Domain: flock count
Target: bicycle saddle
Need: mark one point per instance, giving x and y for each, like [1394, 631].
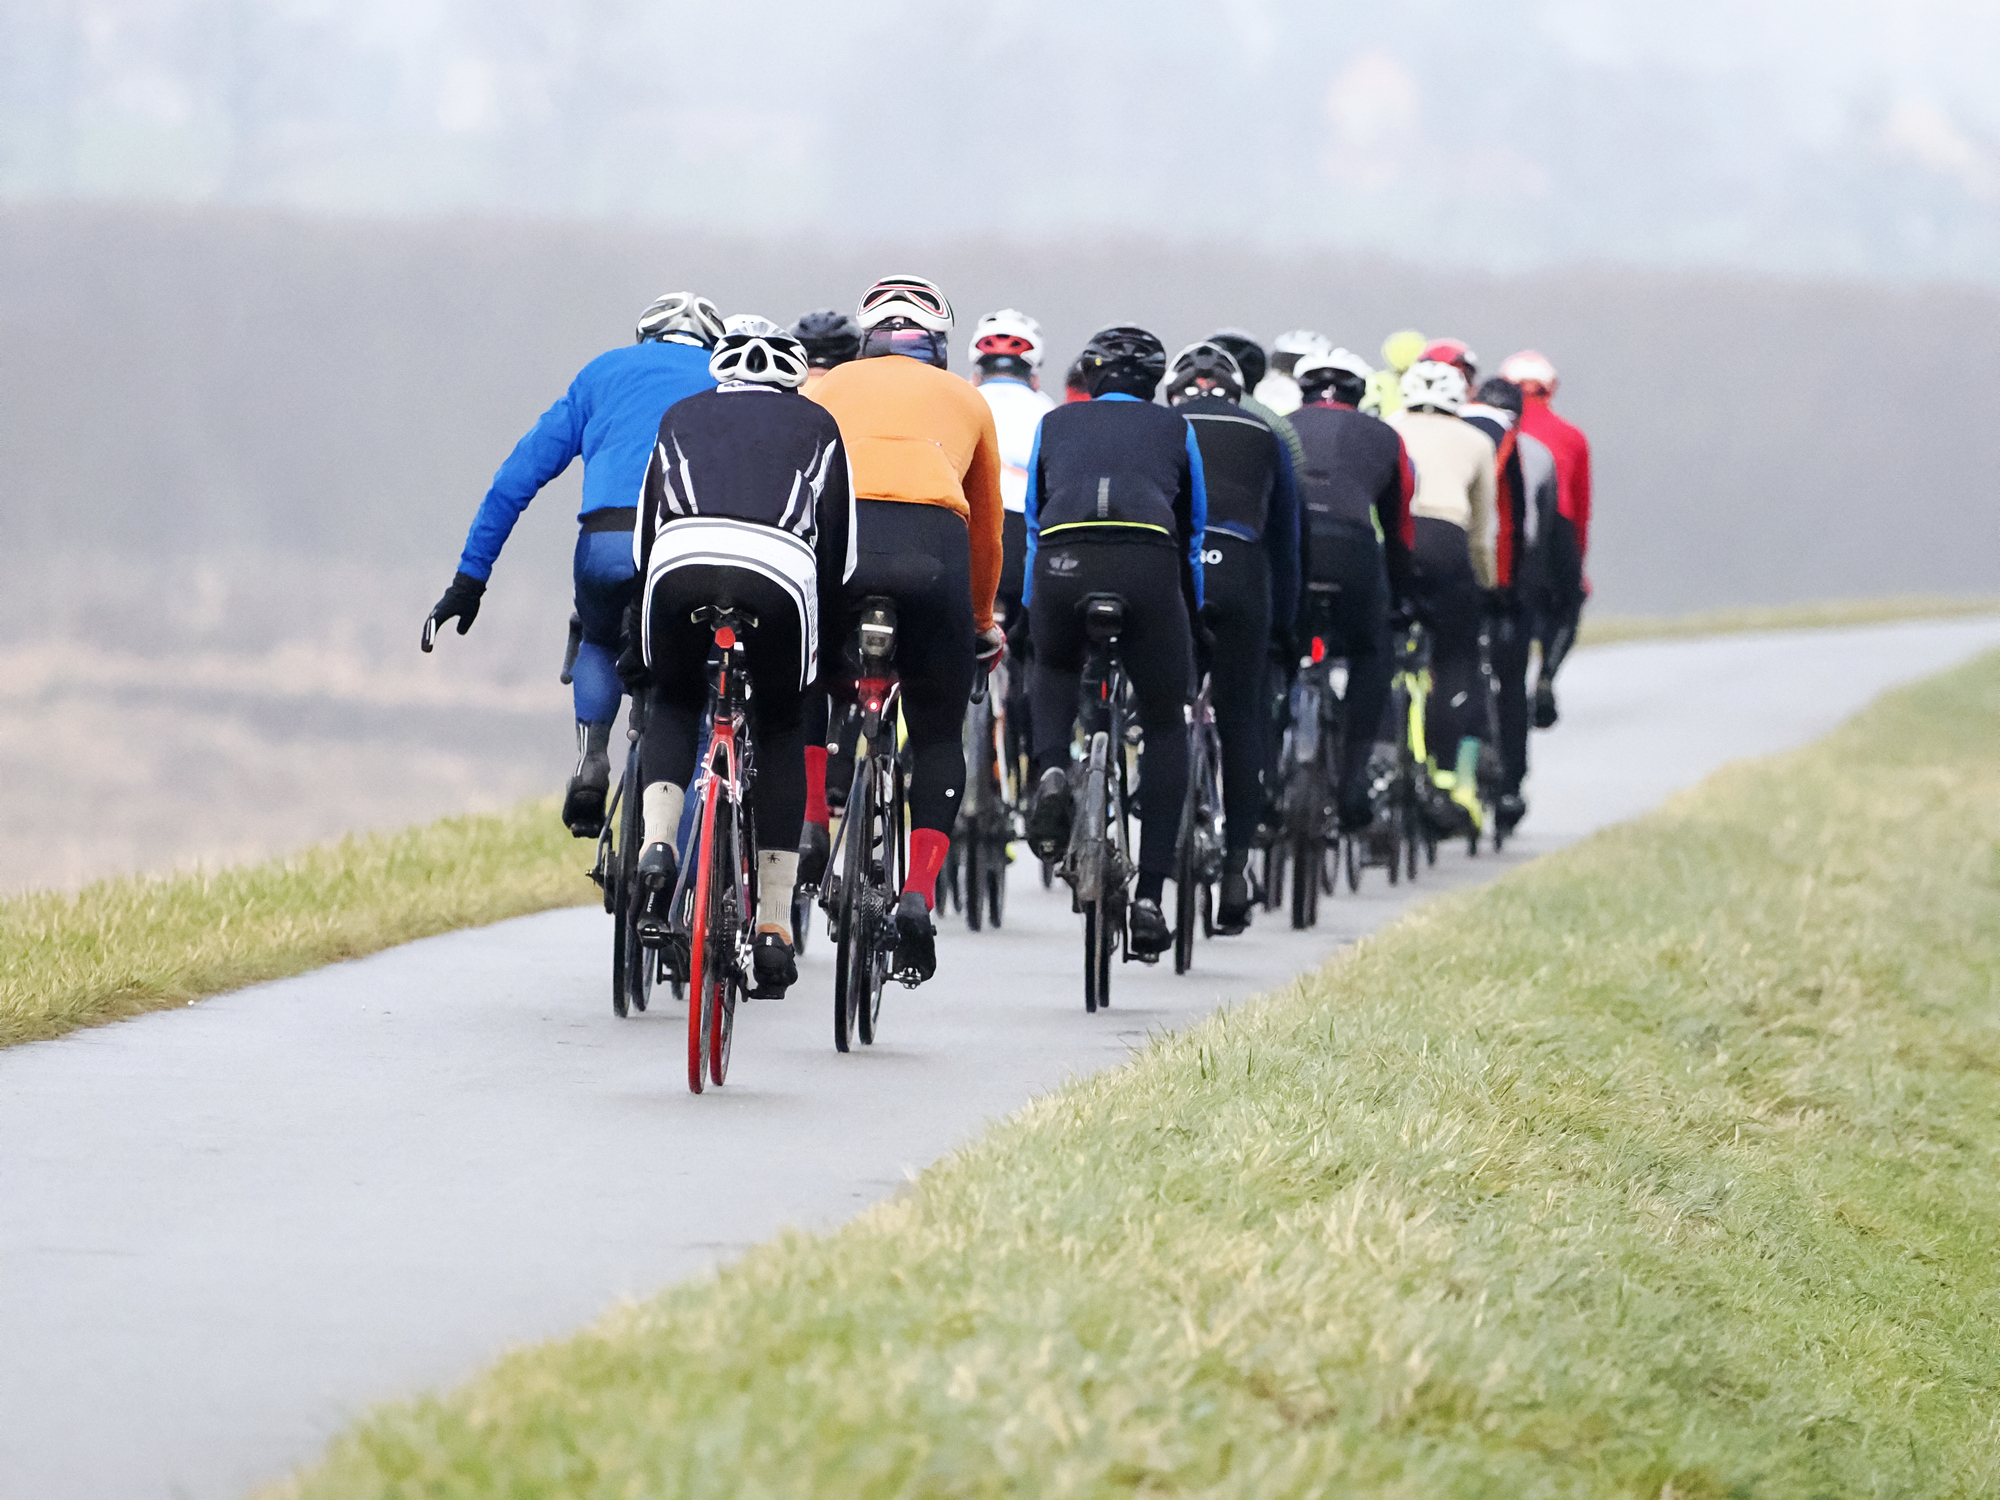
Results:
[1103, 616]
[724, 614]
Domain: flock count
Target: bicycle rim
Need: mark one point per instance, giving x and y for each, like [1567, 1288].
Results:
[895, 869]
[703, 961]
[733, 915]
[853, 944]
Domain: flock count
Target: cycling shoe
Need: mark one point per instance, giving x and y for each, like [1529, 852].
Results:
[1049, 821]
[1545, 705]
[658, 870]
[813, 848]
[1234, 904]
[1509, 810]
[583, 801]
[773, 965]
[916, 938]
[1150, 934]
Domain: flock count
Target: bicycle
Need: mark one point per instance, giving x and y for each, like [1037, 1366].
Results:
[1198, 851]
[1409, 700]
[871, 849]
[976, 866]
[1098, 863]
[1311, 757]
[713, 911]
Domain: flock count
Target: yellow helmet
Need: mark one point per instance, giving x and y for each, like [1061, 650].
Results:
[1401, 350]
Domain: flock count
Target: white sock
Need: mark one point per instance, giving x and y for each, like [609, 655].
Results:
[660, 811]
[777, 873]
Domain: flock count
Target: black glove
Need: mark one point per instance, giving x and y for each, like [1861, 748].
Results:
[1284, 648]
[1204, 649]
[632, 669]
[460, 602]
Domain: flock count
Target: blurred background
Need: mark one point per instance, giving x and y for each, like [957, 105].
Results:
[281, 283]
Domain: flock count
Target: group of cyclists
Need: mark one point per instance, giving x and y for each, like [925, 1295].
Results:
[1252, 513]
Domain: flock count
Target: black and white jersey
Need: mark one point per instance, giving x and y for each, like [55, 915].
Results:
[750, 476]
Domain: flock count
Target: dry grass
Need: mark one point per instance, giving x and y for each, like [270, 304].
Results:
[1669, 1165]
[1602, 630]
[122, 947]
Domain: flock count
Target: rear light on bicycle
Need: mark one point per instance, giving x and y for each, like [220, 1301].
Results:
[1319, 650]
[726, 638]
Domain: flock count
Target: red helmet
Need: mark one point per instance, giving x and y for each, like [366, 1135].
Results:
[1453, 352]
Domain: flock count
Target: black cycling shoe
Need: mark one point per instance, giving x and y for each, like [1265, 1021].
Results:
[1150, 934]
[1357, 810]
[916, 938]
[1509, 810]
[814, 845]
[658, 870]
[1049, 820]
[1234, 904]
[583, 802]
[773, 965]
[1545, 705]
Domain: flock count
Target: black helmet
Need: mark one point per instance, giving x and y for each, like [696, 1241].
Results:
[1124, 360]
[1248, 354]
[1502, 393]
[1204, 369]
[831, 338]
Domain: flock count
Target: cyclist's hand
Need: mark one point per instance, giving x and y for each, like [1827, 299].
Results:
[1204, 649]
[632, 669]
[990, 646]
[460, 602]
[1019, 644]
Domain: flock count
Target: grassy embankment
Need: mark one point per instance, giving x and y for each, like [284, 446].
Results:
[1602, 630]
[1667, 1166]
[122, 947]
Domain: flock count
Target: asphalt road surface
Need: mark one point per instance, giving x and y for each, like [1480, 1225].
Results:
[226, 1230]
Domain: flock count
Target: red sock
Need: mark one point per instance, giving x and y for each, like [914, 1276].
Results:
[816, 808]
[927, 852]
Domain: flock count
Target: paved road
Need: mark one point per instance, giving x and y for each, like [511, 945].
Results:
[224, 1230]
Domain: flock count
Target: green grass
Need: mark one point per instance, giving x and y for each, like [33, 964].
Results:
[122, 947]
[1599, 630]
[1667, 1166]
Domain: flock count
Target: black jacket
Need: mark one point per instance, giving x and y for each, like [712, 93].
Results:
[1357, 479]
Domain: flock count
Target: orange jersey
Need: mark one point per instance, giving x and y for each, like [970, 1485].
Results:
[919, 434]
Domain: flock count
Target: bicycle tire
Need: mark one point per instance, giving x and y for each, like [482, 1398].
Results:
[802, 907]
[894, 873]
[852, 945]
[627, 956]
[702, 959]
[733, 911]
[1351, 851]
[1184, 893]
[975, 890]
[1305, 881]
[996, 885]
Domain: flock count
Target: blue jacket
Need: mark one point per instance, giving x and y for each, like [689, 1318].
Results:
[1158, 461]
[611, 416]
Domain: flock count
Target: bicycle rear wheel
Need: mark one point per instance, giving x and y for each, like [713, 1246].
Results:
[974, 871]
[855, 945]
[1305, 856]
[731, 938]
[622, 896]
[1186, 902]
[705, 962]
[888, 877]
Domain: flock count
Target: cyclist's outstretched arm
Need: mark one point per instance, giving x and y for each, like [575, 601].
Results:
[983, 517]
[547, 449]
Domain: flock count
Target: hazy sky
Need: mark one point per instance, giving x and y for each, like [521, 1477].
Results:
[1851, 136]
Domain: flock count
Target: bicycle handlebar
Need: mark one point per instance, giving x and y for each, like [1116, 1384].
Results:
[430, 631]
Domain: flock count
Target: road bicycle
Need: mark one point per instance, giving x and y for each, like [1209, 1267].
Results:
[1098, 862]
[1409, 701]
[1198, 851]
[976, 865]
[869, 861]
[713, 910]
[1310, 762]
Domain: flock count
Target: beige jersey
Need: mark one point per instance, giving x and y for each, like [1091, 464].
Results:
[1454, 464]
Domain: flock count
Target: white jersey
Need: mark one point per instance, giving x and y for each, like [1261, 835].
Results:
[1017, 412]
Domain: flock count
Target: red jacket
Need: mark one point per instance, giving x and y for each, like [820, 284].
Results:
[1572, 451]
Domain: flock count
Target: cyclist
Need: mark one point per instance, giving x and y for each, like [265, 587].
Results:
[1117, 504]
[1073, 387]
[1278, 390]
[1453, 554]
[611, 416]
[1400, 350]
[1007, 352]
[1250, 588]
[1495, 413]
[1355, 490]
[830, 337]
[745, 505]
[926, 463]
[1562, 584]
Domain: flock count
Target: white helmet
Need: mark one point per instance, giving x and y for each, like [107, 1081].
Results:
[759, 358]
[1433, 383]
[749, 323]
[1008, 332]
[1342, 372]
[1302, 341]
[909, 297]
[683, 317]
[1529, 368]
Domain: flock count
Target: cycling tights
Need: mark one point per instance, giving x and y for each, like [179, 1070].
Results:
[605, 583]
[1007, 611]
[1349, 610]
[679, 695]
[1157, 652]
[1236, 607]
[1511, 639]
[1447, 596]
[1557, 595]
[921, 557]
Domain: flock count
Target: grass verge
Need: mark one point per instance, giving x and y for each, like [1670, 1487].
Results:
[122, 947]
[1666, 1166]
[1602, 631]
